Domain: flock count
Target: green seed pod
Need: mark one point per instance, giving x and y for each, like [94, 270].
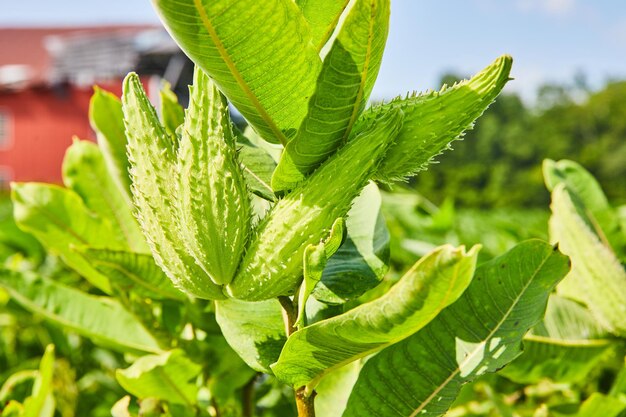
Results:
[273, 262]
[152, 158]
[213, 199]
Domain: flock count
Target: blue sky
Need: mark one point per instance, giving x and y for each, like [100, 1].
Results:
[550, 40]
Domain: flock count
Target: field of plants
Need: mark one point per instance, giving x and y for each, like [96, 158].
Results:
[318, 261]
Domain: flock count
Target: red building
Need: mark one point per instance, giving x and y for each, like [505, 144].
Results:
[46, 79]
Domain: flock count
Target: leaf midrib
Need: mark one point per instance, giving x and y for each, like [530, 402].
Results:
[470, 357]
[206, 22]
[70, 325]
[108, 201]
[132, 276]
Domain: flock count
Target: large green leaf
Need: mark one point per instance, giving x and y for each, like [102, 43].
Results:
[433, 120]
[564, 347]
[260, 55]
[343, 87]
[41, 403]
[153, 157]
[605, 221]
[433, 283]
[60, 220]
[479, 333]
[255, 330]
[213, 203]
[107, 120]
[133, 272]
[599, 405]
[168, 376]
[323, 17]
[85, 172]
[101, 319]
[597, 278]
[361, 262]
[334, 390]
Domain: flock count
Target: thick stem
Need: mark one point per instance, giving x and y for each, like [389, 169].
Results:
[304, 403]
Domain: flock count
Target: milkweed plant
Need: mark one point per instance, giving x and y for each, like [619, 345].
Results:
[245, 271]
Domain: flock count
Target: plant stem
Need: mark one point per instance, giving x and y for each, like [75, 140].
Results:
[247, 398]
[304, 403]
[289, 314]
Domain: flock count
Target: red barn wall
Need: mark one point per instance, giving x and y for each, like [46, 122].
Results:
[42, 122]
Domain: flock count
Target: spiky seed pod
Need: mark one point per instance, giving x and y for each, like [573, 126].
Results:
[152, 158]
[432, 121]
[273, 262]
[213, 199]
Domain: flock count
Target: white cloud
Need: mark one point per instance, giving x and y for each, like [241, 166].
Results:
[550, 7]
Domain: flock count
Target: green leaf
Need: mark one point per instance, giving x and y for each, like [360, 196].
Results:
[599, 405]
[597, 278]
[107, 120]
[41, 403]
[120, 408]
[60, 220]
[323, 17]
[564, 347]
[433, 120]
[343, 87]
[272, 265]
[433, 283]
[361, 262]
[133, 272]
[314, 262]
[13, 409]
[258, 53]
[334, 390]
[254, 330]
[258, 167]
[605, 221]
[85, 172]
[101, 319]
[169, 376]
[212, 199]
[172, 113]
[479, 333]
[153, 173]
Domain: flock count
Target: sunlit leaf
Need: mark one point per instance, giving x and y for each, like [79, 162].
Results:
[254, 330]
[343, 88]
[259, 54]
[565, 346]
[60, 220]
[597, 279]
[480, 333]
[169, 376]
[132, 272]
[107, 120]
[85, 172]
[433, 283]
[101, 319]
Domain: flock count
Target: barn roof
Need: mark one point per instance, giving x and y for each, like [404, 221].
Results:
[80, 55]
